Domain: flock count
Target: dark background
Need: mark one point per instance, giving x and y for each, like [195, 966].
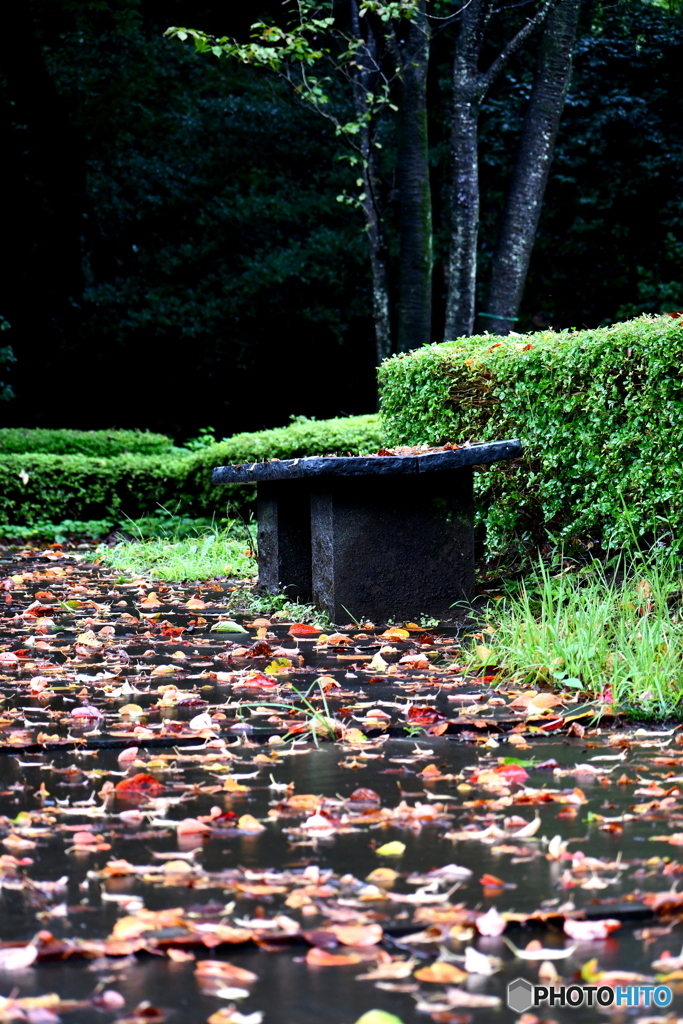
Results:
[175, 252]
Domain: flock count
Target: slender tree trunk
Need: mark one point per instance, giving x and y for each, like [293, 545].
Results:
[464, 197]
[532, 165]
[415, 303]
[365, 83]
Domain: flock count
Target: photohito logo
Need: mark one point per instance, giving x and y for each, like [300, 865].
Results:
[522, 995]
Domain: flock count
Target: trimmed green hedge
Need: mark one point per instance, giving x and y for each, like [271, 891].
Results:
[37, 487]
[96, 443]
[354, 435]
[600, 414]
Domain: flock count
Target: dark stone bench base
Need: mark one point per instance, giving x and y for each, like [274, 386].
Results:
[393, 548]
[284, 538]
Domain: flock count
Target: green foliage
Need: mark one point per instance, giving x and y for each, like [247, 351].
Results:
[96, 443]
[600, 414]
[354, 435]
[205, 438]
[36, 487]
[214, 551]
[68, 529]
[587, 630]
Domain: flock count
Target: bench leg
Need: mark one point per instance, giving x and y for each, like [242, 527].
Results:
[284, 538]
[393, 548]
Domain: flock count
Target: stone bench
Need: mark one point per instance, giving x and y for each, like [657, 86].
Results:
[378, 537]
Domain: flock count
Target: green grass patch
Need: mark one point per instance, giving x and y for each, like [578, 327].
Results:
[177, 548]
[595, 631]
[168, 550]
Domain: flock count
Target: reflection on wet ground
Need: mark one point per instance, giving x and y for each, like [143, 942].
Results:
[177, 828]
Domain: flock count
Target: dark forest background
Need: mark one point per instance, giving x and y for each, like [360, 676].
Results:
[175, 251]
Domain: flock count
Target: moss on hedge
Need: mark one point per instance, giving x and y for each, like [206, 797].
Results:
[600, 414]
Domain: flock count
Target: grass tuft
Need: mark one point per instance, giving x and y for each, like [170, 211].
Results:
[615, 632]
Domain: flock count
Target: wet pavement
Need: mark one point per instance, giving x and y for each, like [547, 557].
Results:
[410, 836]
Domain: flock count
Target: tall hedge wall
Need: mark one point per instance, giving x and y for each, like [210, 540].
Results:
[36, 486]
[600, 414]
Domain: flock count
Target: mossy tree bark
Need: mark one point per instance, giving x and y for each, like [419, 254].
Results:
[470, 86]
[416, 256]
[365, 83]
[532, 166]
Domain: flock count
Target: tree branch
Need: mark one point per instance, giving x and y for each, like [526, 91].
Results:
[487, 78]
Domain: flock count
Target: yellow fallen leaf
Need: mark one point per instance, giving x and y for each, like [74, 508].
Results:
[131, 709]
[393, 849]
[248, 823]
[382, 876]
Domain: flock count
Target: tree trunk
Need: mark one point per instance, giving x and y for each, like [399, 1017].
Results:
[415, 303]
[532, 165]
[365, 83]
[467, 95]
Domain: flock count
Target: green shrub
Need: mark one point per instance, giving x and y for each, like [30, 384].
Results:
[600, 414]
[37, 487]
[353, 435]
[96, 443]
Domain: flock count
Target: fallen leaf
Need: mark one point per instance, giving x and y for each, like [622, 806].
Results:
[357, 934]
[587, 931]
[393, 849]
[321, 958]
[441, 973]
[247, 823]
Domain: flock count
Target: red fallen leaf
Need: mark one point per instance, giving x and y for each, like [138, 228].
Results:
[168, 629]
[553, 726]
[525, 348]
[424, 716]
[23, 652]
[261, 649]
[84, 838]
[489, 881]
[607, 697]
[303, 629]
[258, 679]
[438, 730]
[676, 315]
[512, 772]
[365, 796]
[140, 783]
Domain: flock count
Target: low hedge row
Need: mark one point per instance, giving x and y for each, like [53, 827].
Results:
[352, 435]
[45, 487]
[96, 443]
[600, 414]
